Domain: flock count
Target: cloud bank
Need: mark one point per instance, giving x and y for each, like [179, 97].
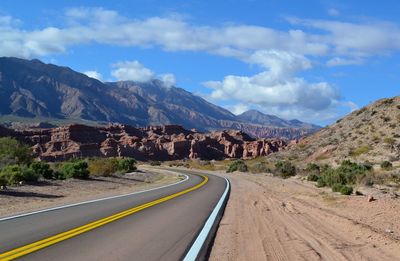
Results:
[281, 54]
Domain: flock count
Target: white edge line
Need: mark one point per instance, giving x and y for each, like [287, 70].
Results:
[201, 238]
[94, 200]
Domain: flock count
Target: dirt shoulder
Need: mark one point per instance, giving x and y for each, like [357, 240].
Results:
[268, 218]
[16, 200]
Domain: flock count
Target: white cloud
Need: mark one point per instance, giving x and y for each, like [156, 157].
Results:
[238, 108]
[356, 39]
[168, 79]
[131, 71]
[277, 87]
[98, 25]
[94, 74]
[338, 61]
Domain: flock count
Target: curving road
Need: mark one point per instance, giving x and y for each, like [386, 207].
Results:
[161, 224]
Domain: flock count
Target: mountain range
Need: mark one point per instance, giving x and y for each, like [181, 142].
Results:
[31, 90]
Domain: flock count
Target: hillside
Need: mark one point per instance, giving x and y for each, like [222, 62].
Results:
[371, 134]
[32, 91]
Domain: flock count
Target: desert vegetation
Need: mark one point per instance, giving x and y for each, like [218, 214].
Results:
[340, 179]
[237, 165]
[18, 166]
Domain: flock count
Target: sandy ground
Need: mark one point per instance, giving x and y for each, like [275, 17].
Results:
[268, 218]
[27, 198]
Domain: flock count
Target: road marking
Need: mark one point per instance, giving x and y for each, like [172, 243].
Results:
[91, 201]
[196, 247]
[24, 250]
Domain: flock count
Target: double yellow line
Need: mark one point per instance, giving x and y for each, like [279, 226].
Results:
[22, 251]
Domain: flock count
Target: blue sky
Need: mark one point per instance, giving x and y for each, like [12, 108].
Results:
[311, 60]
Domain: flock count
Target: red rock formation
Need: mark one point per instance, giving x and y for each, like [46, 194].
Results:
[150, 143]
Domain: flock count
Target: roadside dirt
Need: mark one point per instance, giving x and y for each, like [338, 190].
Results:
[16, 200]
[268, 218]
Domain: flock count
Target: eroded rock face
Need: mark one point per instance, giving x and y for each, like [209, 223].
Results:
[169, 142]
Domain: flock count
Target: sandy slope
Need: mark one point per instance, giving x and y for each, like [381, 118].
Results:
[268, 218]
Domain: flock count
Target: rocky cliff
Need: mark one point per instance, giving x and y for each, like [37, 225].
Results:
[168, 142]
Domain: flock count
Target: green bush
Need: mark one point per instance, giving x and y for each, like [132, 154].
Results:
[312, 167]
[237, 165]
[58, 175]
[346, 174]
[14, 152]
[285, 169]
[320, 183]
[337, 187]
[346, 190]
[386, 165]
[3, 180]
[127, 165]
[77, 169]
[43, 169]
[16, 173]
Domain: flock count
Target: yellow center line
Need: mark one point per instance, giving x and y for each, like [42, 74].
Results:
[24, 250]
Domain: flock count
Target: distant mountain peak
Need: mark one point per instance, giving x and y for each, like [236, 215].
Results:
[257, 117]
[35, 90]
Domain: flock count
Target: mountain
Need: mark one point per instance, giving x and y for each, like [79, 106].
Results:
[256, 117]
[32, 91]
[371, 134]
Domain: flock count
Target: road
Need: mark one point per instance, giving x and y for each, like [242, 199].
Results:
[160, 231]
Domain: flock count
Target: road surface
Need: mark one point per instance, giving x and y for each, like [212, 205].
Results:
[123, 228]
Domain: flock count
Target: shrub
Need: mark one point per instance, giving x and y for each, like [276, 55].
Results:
[78, 169]
[386, 165]
[260, 167]
[3, 180]
[359, 151]
[389, 140]
[16, 173]
[347, 173]
[155, 163]
[312, 177]
[43, 169]
[103, 167]
[58, 175]
[14, 152]
[237, 165]
[343, 189]
[320, 183]
[285, 169]
[346, 190]
[312, 167]
[337, 187]
[127, 165]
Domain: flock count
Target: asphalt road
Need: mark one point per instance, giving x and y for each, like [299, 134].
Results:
[161, 232]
